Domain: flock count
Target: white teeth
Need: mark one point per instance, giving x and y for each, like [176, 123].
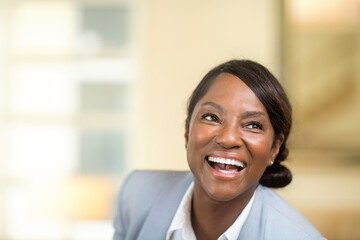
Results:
[226, 161]
[227, 171]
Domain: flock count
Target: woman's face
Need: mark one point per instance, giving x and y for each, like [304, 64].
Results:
[230, 140]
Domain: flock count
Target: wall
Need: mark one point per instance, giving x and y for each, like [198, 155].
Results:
[181, 42]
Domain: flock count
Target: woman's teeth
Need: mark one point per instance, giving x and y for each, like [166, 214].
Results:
[226, 161]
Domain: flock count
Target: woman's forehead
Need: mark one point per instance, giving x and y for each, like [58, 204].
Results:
[228, 90]
[229, 86]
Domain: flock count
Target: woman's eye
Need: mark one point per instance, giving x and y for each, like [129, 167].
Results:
[254, 125]
[210, 117]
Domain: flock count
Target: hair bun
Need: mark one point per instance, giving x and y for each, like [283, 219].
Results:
[276, 176]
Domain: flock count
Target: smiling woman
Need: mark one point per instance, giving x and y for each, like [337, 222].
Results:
[237, 125]
[241, 131]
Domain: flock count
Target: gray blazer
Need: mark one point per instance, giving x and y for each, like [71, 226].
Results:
[148, 201]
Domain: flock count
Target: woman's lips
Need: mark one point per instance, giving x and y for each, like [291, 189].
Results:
[225, 167]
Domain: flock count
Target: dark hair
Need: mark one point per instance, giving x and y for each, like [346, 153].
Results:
[271, 94]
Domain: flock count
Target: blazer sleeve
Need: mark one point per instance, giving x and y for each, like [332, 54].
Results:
[120, 222]
[140, 194]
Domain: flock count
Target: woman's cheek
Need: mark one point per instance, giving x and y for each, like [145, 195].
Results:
[201, 134]
[260, 147]
[257, 140]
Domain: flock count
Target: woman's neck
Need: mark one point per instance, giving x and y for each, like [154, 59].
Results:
[211, 218]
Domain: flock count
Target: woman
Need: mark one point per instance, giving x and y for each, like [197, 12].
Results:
[237, 125]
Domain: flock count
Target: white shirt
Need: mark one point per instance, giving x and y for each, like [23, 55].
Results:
[181, 229]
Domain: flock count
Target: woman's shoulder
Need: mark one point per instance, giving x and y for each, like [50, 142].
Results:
[140, 192]
[275, 203]
[287, 219]
[157, 174]
[154, 178]
[140, 185]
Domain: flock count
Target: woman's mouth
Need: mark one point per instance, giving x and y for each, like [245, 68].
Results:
[227, 166]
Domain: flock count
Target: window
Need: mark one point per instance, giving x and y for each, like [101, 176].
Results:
[65, 116]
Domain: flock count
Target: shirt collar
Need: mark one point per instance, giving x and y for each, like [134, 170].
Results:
[181, 223]
[232, 233]
[182, 219]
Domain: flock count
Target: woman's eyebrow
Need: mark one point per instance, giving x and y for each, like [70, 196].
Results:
[215, 105]
[252, 113]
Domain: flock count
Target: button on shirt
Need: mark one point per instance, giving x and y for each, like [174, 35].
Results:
[181, 229]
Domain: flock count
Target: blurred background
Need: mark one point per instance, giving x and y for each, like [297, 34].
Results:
[92, 89]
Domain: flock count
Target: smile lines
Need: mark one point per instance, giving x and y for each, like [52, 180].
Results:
[226, 161]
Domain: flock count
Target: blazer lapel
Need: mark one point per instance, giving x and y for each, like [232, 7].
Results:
[164, 209]
[254, 225]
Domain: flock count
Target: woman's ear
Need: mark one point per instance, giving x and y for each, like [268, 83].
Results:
[276, 146]
[186, 135]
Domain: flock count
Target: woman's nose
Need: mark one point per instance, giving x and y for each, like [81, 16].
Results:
[229, 137]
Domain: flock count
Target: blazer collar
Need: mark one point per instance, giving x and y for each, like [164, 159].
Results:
[254, 225]
[162, 212]
[164, 208]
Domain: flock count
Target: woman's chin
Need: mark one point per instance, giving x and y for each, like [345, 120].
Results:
[223, 194]
[227, 192]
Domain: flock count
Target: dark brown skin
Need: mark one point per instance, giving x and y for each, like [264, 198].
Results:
[215, 213]
[229, 122]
